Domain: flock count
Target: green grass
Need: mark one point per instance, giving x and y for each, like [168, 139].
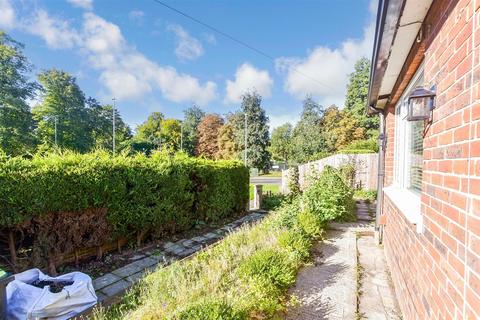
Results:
[274, 188]
[366, 195]
[245, 276]
[272, 174]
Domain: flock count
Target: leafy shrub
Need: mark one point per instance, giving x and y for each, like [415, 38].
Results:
[210, 310]
[310, 224]
[319, 155]
[367, 195]
[297, 243]
[267, 267]
[272, 202]
[367, 145]
[329, 197]
[348, 174]
[138, 193]
[294, 181]
[356, 151]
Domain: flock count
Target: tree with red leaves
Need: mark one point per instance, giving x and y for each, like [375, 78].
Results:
[208, 132]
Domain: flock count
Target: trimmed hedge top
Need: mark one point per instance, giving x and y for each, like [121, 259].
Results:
[156, 192]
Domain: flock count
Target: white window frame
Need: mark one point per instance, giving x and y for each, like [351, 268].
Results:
[405, 199]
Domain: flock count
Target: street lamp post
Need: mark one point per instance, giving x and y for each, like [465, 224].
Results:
[113, 127]
[245, 156]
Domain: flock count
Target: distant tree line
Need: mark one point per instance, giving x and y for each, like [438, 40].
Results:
[64, 118]
[323, 131]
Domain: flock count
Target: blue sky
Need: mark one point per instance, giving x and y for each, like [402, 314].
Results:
[152, 59]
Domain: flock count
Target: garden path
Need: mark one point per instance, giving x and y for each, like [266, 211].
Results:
[348, 278]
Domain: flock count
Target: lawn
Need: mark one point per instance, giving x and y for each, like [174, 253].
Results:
[274, 188]
[272, 174]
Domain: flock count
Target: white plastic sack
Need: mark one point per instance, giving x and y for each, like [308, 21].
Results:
[25, 301]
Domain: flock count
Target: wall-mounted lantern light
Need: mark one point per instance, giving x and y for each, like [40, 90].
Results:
[421, 103]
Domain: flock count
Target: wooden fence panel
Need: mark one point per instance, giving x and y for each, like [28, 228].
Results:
[366, 168]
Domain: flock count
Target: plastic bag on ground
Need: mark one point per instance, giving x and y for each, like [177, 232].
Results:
[25, 301]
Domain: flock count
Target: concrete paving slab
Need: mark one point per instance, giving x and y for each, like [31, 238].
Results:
[199, 239]
[127, 270]
[134, 278]
[116, 288]
[168, 245]
[377, 300]
[327, 289]
[175, 249]
[105, 280]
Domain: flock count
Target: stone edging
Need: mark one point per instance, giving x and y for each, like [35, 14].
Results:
[117, 281]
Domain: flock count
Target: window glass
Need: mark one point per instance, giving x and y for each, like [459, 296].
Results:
[408, 142]
[415, 155]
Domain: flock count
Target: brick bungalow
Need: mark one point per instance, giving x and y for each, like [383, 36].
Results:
[425, 87]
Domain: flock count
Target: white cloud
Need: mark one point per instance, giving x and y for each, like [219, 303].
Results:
[56, 33]
[210, 38]
[329, 67]
[7, 14]
[187, 47]
[84, 4]
[136, 16]
[124, 72]
[248, 78]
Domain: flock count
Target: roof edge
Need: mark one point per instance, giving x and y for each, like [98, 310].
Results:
[388, 17]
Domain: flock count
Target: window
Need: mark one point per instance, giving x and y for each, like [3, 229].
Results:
[408, 142]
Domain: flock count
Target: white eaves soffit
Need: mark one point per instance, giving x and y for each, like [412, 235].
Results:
[411, 20]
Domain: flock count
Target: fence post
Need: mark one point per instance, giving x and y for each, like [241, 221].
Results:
[257, 196]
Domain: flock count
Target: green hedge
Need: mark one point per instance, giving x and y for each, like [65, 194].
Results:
[157, 192]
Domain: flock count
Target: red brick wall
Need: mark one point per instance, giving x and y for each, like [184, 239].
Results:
[437, 272]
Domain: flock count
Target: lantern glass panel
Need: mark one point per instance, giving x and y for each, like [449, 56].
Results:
[419, 108]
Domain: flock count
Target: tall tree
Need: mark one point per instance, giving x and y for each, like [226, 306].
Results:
[308, 138]
[192, 117]
[16, 122]
[227, 149]
[281, 143]
[341, 128]
[171, 134]
[208, 133]
[151, 129]
[356, 99]
[101, 126]
[64, 103]
[258, 138]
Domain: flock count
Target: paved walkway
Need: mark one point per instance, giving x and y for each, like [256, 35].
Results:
[346, 263]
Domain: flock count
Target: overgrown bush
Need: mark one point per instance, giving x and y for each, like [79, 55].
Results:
[367, 195]
[119, 195]
[365, 145]
[210, 310]
[272, 202]
[348, 174]
[294, 181]
[329, 197]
